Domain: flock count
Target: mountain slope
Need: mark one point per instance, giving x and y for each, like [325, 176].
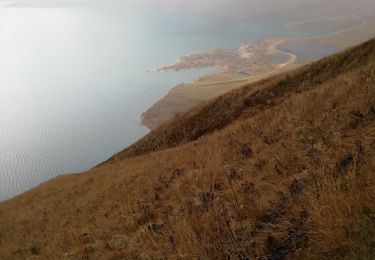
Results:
[222, 111]
[283, 168]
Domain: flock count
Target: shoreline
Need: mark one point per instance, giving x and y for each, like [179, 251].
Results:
[158, 112]
[293, 57]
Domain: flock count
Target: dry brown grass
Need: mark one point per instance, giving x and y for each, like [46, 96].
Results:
[244, 102]
[281, 169]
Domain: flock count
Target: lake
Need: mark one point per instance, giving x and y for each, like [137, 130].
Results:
[74, 80]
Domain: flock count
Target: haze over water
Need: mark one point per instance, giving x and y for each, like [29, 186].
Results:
[74, 81]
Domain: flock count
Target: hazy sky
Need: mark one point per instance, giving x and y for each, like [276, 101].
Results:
[295, 8]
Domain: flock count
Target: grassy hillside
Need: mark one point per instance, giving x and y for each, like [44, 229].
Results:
[283, 168]
[250, 99]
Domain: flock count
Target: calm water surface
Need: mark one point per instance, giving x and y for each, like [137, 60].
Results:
[73, 81]
[308, 50]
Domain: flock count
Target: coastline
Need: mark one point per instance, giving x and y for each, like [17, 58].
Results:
[185, 96]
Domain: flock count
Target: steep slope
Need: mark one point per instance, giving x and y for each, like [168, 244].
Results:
[280, 169]
[256, 97]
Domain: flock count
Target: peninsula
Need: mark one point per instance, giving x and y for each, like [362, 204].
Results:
[253, 61]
